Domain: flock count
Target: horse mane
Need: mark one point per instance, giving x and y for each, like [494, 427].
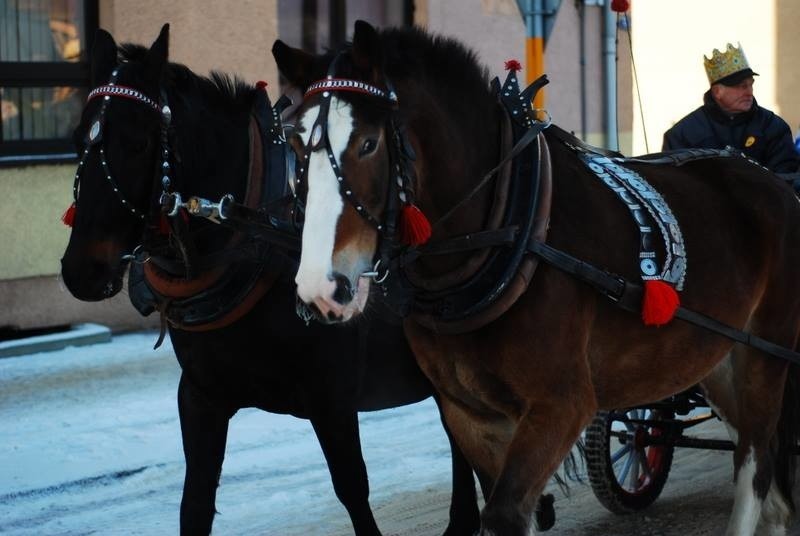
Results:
[219, 89]
[445, 62]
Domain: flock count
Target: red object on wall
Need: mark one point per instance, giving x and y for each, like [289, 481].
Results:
[620, 6]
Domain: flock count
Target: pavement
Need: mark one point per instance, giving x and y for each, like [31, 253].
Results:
[77, 335]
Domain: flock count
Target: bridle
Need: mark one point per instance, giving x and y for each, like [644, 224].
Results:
[94, 137]
[400, 155]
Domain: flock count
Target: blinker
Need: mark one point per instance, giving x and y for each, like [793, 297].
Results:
[316, 135]
[95, 132]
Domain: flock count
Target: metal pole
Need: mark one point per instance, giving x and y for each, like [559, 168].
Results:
[610, 70]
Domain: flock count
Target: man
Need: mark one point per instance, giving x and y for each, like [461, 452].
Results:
[730, 116]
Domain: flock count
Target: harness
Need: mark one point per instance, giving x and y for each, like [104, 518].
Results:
[401, 154]
[199, 293]
[512, 248]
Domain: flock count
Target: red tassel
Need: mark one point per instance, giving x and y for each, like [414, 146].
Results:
[513, 65]
[261, 84]
[69, 215]
[659, 303]
[415, 229]
[620, 6]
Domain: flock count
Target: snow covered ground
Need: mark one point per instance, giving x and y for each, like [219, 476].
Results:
[90, 444]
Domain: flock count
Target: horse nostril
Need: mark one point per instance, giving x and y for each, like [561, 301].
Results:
[344, 291]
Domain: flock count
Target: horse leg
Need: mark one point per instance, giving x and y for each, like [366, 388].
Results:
[537, 448]
[750, 403]
[337, 433]
[464, 514]
[205, 430]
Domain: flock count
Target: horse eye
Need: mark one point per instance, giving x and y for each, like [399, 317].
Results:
[369, 146]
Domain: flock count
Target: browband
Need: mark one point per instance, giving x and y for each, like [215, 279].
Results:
[345, 84]
[113, 90]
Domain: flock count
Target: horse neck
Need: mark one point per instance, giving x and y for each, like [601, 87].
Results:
[212, 148]
[458, 144]
[211, 158]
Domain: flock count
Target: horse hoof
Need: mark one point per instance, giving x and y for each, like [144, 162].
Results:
[545, 513]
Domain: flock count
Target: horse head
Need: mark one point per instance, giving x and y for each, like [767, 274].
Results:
[114, 188]
[150, 131]
[371, 129]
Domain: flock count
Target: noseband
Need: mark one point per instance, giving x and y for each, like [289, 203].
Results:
[95, 136]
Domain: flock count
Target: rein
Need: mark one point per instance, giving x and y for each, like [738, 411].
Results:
[200, 292]
[535, 128]
[628, 296]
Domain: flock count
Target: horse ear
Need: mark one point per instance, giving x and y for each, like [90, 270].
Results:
[104, 57]
[295, 64]
[158, 53]
[367, 54]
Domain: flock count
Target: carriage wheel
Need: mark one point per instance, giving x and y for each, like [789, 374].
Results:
[626, 472]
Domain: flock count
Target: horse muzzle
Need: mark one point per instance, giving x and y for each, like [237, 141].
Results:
[93, 272]
[333, 301]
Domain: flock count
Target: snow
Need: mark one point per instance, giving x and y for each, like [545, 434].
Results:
[91, 444]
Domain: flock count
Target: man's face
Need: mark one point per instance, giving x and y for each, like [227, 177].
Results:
[734, 99]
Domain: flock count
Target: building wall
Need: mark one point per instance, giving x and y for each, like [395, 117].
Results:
[234, 37]
[204, 35]
[496, 31]
[671, 38]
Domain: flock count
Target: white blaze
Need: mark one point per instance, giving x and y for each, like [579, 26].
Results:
[323, 207]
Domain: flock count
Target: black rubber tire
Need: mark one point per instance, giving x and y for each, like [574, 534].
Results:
[640, 490]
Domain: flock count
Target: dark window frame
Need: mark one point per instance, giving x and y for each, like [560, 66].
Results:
[48, 74]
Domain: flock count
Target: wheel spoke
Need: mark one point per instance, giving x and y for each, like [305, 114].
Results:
[628, 424]
[633, 479]
[623, 475]
[626, 448]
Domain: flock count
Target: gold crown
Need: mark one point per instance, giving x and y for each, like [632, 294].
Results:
[726, 63]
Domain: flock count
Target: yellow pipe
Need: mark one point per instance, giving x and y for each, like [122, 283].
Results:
[534, 62]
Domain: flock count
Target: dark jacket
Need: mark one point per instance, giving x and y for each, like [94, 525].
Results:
[758, 133]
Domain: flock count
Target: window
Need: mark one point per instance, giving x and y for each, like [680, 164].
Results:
[44, 76]
[319, 25]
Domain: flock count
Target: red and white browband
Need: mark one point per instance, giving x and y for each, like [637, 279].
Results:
[112, 90]
[344, 84]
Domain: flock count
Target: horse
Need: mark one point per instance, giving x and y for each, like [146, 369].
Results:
[152, 129]
[504, 283]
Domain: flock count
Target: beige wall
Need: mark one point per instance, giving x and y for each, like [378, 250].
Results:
[234, 37]
[492, 28]
[496, 31]
[669, 40]
[671, 37]
[33, 237]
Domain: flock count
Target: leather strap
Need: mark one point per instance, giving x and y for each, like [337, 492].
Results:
[628, 296]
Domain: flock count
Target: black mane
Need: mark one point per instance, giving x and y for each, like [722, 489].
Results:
[414, 52]
[220, 89]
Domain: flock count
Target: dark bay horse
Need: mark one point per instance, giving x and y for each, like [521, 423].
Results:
[401, 129]
[227, 295]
